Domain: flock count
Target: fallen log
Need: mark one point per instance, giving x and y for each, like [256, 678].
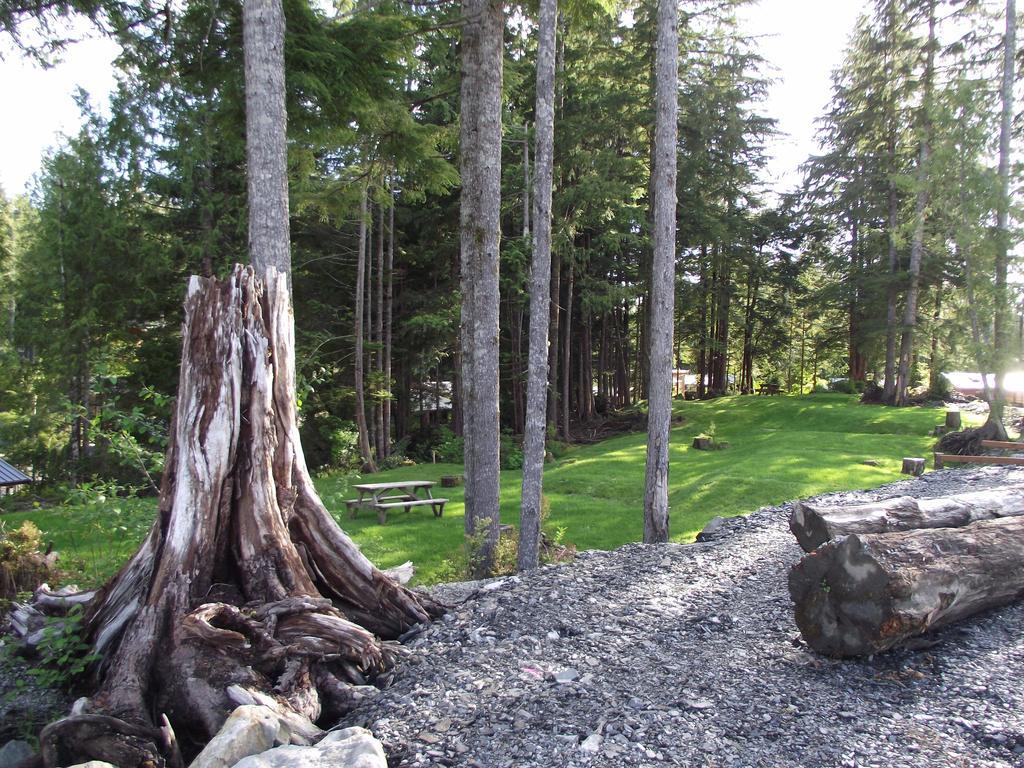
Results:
[867, 593]
[814, 524]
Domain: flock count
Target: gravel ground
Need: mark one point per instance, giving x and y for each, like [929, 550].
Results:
[689, 656]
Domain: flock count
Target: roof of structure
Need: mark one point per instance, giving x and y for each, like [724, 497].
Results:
[11, 476]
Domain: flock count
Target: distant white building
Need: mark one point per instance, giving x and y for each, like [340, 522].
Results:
[970, 384]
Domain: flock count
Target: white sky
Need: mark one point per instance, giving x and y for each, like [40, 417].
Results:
[803, 40]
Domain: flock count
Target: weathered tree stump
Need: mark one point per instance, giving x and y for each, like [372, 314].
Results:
[814, 524]
[953, 421]
[245, 581]
[913, 467]
[867, 593]
[703, 443]
[451, 481]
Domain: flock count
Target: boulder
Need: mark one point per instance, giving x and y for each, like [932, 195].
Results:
[347, 748]
[14, 753]
[249, 730]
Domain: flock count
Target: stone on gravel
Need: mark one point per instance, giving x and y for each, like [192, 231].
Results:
[94, 764]
[692, 658]
[249, 730]
[15, 752]
[567, 675]
[346, 748]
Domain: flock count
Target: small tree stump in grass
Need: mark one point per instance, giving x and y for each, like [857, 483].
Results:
[940, 430]
[913, 467]
[451, 481]
[953, 420]
[702, 443]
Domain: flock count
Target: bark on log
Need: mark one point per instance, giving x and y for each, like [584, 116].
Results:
[245, 579]
[867, 593]
[815, 524]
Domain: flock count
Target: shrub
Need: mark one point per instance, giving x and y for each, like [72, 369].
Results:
[450, 448]
[23, 566]
[511, 452]
[843, 386]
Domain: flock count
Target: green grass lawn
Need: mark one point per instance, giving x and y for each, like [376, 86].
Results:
[781, 448]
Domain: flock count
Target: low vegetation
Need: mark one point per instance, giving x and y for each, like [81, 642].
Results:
[780, 448]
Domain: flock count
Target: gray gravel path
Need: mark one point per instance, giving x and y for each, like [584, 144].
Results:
[688, 656]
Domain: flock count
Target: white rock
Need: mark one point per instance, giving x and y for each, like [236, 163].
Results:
[566, 675]
[592, 743]
[347, 748]
[248, 731]
[81, 706]
[303, 732]
[94, 764]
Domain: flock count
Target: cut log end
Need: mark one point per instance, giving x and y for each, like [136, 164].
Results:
[913, 466]
[868, 593]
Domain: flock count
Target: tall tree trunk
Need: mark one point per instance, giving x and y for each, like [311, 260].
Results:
[662, 308]
[553, 332]
[702, 350]
[389, 295]
[920, 219]
[567, 351]
[378, 332]
[479, 225]
[856, 362]
[934, 369]
[526, 182]
[265, 135]
[540, 294]
[1001, 335]
[360, 385]
[892, 293]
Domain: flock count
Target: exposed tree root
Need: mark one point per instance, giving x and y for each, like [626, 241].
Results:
[245, 585]
[967, 442]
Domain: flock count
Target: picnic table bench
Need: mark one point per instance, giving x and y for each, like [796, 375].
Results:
[400, 494]
[770, 389]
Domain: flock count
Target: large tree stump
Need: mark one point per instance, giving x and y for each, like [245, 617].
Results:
[953, 421]
[866, 593]
[245, 580]
[814, 524]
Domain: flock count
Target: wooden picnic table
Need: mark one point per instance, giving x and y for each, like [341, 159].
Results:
[770, 389]
[399, 494]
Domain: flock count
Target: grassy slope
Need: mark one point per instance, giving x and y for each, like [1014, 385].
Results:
[781, 448]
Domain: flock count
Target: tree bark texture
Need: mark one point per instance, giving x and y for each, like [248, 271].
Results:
[381, 437]
[570, 284]
[1002, 308]
[360, 384]
[245, 581]
[867, 593]
[540, 294]
[815, 524]
[920, 218]
[663, 282]
[479, 227]
[265, 134]
[389, 307]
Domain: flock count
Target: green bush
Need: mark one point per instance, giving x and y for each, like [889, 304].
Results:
[843, 386]
[511, 452]
[23, 565]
